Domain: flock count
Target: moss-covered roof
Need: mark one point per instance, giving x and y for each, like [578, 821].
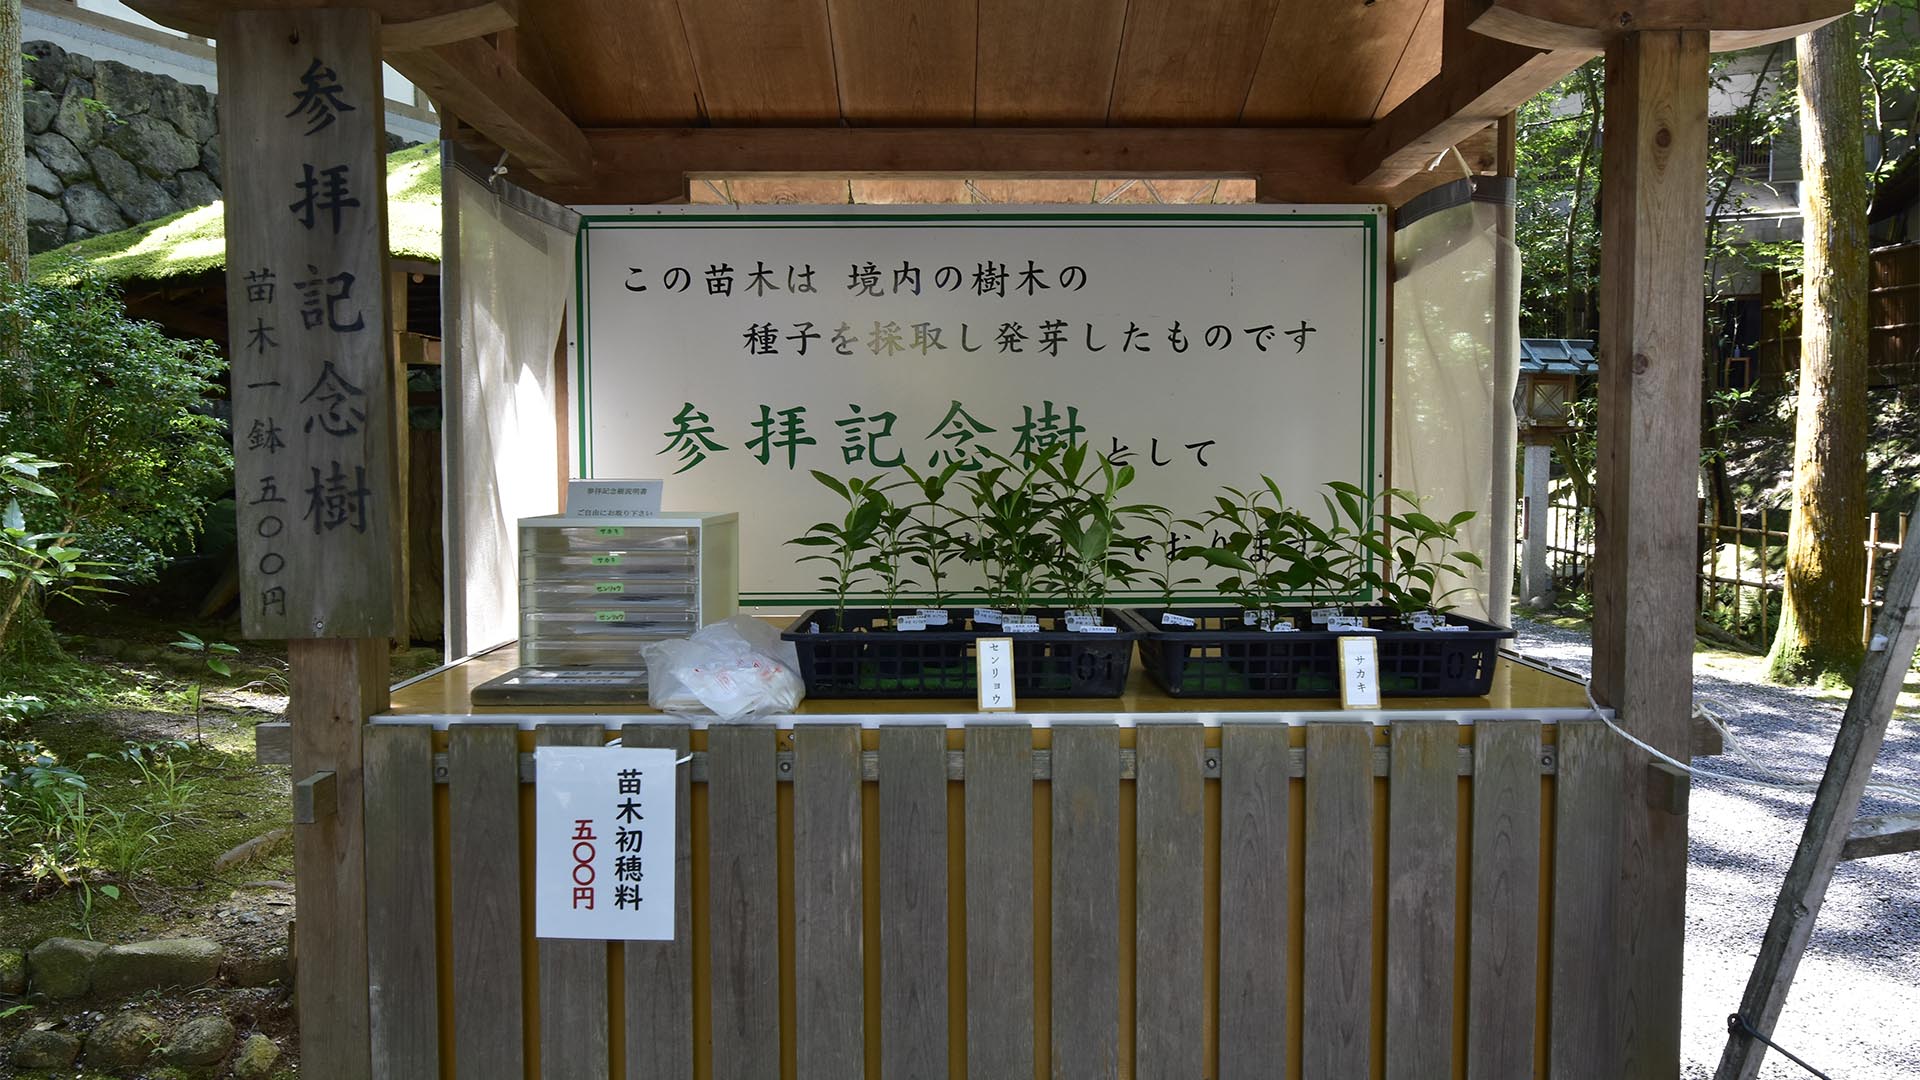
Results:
[194, 241]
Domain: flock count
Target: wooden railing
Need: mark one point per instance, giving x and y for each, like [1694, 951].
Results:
[1741, 564]
[1003, 901]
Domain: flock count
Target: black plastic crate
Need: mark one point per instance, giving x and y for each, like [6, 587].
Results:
[870, 659]
[1221, 657]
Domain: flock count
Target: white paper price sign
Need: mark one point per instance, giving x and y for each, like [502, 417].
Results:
[604, 847]
[995, 677]
[1359, 673]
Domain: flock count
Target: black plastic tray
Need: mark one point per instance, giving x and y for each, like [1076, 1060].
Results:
[870, 659]
[1221, 657]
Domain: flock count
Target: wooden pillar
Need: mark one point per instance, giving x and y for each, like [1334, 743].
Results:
[1649, 442]
[1536, 489]
[314, 441]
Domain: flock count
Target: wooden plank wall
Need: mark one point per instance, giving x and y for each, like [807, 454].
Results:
[1167, 902]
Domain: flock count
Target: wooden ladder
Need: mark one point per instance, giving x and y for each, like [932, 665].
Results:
[1832, 833]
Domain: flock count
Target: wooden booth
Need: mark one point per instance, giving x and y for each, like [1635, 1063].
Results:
[1487, 887]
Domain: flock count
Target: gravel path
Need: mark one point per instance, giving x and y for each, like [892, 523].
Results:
[1855, 1008]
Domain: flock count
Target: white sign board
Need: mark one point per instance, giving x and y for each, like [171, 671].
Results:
[613, 498]
[604, 847]
[734, 351]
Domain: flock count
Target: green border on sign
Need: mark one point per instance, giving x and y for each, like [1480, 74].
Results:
[1369, 224]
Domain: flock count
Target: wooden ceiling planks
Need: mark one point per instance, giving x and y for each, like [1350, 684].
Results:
[1329, 61]
[1419, 63]
[904, 62]
[1047, 63]
[761, 61]
[634, 69]
[1188, 61]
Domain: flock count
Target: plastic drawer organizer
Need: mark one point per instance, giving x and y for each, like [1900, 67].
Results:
[592, 592]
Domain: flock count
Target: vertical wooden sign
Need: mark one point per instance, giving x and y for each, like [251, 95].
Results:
[303, 136]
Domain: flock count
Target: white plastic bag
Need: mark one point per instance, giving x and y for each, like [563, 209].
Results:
[732, 669]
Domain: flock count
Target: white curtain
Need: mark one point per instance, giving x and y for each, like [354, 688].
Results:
[1456, 355]
[504, 295]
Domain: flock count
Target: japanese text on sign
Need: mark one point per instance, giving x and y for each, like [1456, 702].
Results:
[737, 352]
[604, 854]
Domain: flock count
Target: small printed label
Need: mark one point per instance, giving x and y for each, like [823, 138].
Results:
[1075, 620]
[1325, 614]
[1421, 620]
[1283, 626]
[910, 622]
[1443, 628]
[1347, 624]
[605, 587]
[1250, 617]
[609, 616]
[813, 628]
[933, 615]
[1021, 620]
[1021, 628]
[1168, 618]
[987, 616]
[606, 560]
[1093, 628]
[610, 530]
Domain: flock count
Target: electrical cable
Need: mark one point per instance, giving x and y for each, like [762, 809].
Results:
[1773, 779]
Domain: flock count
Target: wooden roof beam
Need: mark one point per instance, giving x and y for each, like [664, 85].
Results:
[1582, 24]
[474, 82]
[1293, 164]
[405, 24]
[1480, 81]
[1498, 53]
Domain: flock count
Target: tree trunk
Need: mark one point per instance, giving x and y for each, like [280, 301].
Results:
[13, 147]
[1819, 632]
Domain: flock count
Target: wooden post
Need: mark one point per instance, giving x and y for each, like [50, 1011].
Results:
[1535, 585]
[1649, 443]
[314, 443]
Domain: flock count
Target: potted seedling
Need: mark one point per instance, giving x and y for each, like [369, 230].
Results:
[846, 546]
[1087, 521]
[1414, 552]
[934, 537]
[1012, 502]
[1161, 573]
[1273, 552]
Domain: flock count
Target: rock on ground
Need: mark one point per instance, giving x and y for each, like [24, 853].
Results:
[45, 1050]
[150, 965]
[124, 1041]
[250, 968]
[256, 1059]
[13, 972]
[63, 967]
[203, 1040]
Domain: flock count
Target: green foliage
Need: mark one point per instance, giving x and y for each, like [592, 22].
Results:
[1088, 526]
[36, 567]
[124, 408]
[848, 545]
[1276, 551]
[1556, 217]
[931, 544]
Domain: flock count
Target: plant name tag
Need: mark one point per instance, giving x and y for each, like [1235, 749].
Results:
[986, 616]
[1021, 620]
[994, 676]
[1348, 624]
[1282, 626]
[1168, 618]
[1325, 614]
[613, 498]
[1021, 628]
[910, 622]
[1093, 628]
[933, 615]
[1421, 620]
[1359, 673]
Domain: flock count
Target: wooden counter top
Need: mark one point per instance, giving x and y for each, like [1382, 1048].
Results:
[1521, 688]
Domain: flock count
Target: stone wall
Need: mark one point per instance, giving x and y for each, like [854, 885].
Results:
[110, 146]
